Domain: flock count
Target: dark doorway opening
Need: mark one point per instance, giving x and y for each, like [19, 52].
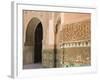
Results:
[38, 44]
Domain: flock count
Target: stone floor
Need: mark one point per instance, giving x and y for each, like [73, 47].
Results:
[32, 66]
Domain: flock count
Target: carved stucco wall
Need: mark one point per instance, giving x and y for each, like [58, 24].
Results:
[76, 31]
[74, 28]
[75, 44]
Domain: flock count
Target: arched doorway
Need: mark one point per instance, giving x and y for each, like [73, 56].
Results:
[32, 50]
[38, 44]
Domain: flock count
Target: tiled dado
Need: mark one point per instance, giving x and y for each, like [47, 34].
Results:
[84, 43]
